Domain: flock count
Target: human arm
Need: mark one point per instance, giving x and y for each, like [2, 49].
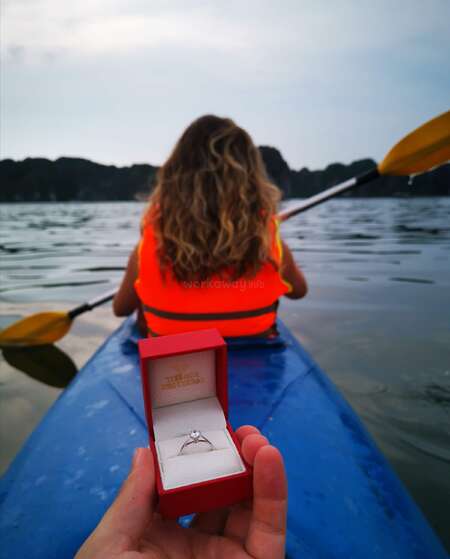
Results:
[126, 299]
[293, 275]
[252, 530]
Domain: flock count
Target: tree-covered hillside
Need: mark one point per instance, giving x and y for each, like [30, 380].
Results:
[68, 178]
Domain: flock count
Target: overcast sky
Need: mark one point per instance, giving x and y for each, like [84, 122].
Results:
[321, 80]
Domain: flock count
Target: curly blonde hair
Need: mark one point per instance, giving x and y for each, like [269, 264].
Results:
[212, 204]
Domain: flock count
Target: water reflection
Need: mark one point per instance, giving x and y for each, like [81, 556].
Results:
[47, 364]
[414, 427]
[78, 243]
[422, 230]
[437, 394]
[340, 227]
[49, 285]
[413, 280]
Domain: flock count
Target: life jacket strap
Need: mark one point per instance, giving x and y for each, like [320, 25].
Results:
[271, 332]
[232, 315]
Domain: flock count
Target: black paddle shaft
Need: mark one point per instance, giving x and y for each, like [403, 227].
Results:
[92, 304]
[331, 193]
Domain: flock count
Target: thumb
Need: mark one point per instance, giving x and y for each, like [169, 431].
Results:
[131, 513]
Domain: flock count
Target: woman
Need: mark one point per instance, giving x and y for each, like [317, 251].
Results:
[210, 253]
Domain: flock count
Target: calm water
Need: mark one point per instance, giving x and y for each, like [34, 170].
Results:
[377, 317]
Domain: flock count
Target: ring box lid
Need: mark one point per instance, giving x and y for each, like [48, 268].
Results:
[175, 381]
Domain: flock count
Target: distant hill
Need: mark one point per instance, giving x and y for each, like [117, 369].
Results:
[66, 179]
[42, 180]
[304, 183]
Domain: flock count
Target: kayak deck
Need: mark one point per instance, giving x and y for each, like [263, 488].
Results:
[344, 499]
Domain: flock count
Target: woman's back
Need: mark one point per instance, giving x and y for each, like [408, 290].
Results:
[236, 306]
[210, 254]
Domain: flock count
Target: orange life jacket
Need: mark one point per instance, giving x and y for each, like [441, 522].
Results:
[244, 307]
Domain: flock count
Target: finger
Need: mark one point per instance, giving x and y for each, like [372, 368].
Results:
[250, 446]
[267, 531]
[131, 513]
[238, 522]
[245, 430]
[239, 519]
[212, 522]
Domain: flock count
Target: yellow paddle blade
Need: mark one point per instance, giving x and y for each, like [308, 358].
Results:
[426, 147]
[38, 329]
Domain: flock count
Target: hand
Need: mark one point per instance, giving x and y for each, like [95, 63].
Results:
[131, 529]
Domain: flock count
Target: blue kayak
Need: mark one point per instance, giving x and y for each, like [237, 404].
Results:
[344, 499]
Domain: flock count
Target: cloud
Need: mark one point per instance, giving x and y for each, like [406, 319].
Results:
[122, 34]
[16, 52]
[118, 81]
[89, 31]
[102, 26]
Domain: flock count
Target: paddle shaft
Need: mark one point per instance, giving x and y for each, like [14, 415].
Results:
[330, 193]
[92, 304]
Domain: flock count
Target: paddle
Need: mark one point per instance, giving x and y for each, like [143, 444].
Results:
[47, 327]
[45, 363]
[426, 147]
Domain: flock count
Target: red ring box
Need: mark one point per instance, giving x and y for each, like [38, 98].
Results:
[185, 387]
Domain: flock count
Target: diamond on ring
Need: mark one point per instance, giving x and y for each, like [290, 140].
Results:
[195, 437]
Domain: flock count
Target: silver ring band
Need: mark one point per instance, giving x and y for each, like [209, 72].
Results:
[195, 437]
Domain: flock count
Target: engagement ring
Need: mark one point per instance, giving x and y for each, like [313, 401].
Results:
[195, 437]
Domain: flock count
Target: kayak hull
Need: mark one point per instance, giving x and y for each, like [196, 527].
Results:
[344, 499]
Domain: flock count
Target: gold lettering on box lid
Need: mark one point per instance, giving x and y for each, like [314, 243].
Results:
[181, 377]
